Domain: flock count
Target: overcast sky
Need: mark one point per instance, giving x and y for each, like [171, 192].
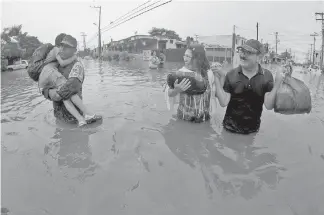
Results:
[294, 21]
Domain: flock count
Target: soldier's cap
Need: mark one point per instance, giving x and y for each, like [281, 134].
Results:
[70, 41]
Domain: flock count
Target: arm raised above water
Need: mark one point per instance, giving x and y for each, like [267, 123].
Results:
[223, 90]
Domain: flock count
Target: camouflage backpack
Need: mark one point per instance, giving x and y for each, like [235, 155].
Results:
[36, 63]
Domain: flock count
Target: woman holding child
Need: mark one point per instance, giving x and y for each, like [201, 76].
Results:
[194, 108]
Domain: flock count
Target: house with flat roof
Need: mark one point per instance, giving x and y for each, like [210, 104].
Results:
[138, 43]
[219, 47]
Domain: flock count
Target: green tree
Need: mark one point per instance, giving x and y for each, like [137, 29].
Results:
[285, 55]
[164, 32]
[26, 43]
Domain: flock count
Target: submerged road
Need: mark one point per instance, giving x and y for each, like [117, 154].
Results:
[141, 161]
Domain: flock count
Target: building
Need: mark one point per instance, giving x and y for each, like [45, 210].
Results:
[166, 43]
[217, 53]
[219, 47]
[318, 58]
[138, 43]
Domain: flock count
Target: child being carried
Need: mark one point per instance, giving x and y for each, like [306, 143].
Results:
[50, 76]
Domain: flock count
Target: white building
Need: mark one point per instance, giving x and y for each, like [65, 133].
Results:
[219, 47]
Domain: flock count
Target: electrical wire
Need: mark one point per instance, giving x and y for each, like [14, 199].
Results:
[137, 15]
[95, 36]
[117, 20]
[92, 38]
[109, 26]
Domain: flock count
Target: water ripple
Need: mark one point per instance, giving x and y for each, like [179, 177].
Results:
[140, 154]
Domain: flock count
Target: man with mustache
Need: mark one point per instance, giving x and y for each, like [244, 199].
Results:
[245, 90]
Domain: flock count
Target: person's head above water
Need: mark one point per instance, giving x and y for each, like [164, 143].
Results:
[69, 46]
[195, 58]
[59, 39]
[251, 53]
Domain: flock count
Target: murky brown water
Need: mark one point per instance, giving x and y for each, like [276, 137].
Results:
[141, 161]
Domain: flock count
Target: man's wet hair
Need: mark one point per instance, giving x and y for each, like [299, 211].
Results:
[59, 39]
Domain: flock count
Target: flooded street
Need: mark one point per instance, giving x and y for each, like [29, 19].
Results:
[141, 160]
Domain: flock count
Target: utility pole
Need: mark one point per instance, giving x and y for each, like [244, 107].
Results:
[84, 40]
[286, 54]
[322, 56]
[233, 45]
[257, 30]
[314, 35]
[99, 31]
[311, 51]
[277, 41]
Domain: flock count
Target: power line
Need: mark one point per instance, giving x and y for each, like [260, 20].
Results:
[96, 35]
[92, 38]
[114, 23]
[125, 14]
[137, 15]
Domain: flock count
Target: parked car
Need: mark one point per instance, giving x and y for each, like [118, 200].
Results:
[23, 64]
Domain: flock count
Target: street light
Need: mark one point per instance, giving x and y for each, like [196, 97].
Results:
[99, 29]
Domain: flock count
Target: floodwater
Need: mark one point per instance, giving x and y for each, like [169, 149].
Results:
[140, 160]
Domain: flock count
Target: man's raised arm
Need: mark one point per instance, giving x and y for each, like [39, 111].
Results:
[222, 90]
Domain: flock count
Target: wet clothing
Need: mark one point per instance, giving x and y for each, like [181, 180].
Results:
[154, 62]
[74, 73]
[50, 76]
[51, 56]
[243, 113]
[194, 108]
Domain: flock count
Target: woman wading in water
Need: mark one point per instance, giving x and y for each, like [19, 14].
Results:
[193, 108]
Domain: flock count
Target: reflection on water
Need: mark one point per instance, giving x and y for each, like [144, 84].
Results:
[72, 151]
[140, 160]
[230, 163]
